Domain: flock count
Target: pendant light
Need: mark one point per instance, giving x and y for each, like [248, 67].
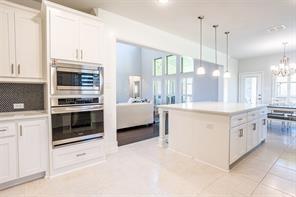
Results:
[216, 72]
[200, 70]
[227, 73]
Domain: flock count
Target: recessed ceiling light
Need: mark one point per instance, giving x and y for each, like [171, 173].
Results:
[276, 28]
[163, 1]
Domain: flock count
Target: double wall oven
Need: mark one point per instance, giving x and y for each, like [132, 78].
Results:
[77, 110]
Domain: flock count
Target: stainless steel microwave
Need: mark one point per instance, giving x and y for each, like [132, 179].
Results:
[76, 79]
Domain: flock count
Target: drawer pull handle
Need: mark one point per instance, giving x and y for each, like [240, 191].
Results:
[264, 122]
[3, 130]
[241, 132]
[254, 126]
[240, 119]
[80, 155]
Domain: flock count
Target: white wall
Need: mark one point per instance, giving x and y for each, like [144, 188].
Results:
[262, 64]
[132, 31]
[128, 64]
[124, 29]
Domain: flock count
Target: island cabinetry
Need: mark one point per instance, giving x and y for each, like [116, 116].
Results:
[216, 134]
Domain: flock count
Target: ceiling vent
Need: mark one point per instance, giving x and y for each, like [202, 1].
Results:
[276, 28]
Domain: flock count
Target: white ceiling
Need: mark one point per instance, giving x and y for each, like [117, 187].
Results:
[247, 20]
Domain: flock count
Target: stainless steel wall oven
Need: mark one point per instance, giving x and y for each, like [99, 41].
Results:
[76, 120]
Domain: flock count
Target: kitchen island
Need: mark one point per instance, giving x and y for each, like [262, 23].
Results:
[214, 133]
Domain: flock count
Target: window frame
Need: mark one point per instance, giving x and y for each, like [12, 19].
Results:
[167, 66]
[154, 65]
[181, 65]
[181, 89]
[287, 98]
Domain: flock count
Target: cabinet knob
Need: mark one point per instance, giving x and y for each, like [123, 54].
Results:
[81, 54]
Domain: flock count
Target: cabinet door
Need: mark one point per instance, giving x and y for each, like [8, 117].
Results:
[238, 143]
[263, 128]
[8, 155]
[91, 41]
[252, 135]
[64, 36]
[31, 147]
[7, 49]
[28, 44]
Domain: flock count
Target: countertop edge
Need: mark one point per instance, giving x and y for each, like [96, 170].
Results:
[24, 116]
[211, 112]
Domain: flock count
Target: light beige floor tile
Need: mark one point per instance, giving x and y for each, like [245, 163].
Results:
[280, 184]
[230, 185]
[283, 172]
[265, 191]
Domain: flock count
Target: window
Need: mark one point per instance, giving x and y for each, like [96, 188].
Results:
[186, 90]
[171, 64]
[157, 67]
[157, 92]
[187, 64]
[285, 89]
[170, 91]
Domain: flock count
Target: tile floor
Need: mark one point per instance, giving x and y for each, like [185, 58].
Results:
[144, 170]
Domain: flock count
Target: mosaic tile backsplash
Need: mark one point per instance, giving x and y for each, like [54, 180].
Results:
[32, 95]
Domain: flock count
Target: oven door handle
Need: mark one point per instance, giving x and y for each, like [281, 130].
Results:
[62, 110]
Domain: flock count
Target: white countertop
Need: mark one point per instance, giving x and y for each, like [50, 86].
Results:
[5, 116]
[213, 107]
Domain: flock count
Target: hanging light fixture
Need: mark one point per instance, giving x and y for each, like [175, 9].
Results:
[227, 73]
[285, 68]
[200, 70]
[216, 72]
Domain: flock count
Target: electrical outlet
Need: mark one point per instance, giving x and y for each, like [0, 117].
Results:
[18, 106]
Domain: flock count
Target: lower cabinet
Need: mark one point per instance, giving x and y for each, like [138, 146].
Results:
[8, 155]
[31, 147]
[238, 142]
[22, 148]
[248, 135]
[263, 128]
[252, 135]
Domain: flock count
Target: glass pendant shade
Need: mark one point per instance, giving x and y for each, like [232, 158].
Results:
[227, 75]
[216, 73]
[201, 70]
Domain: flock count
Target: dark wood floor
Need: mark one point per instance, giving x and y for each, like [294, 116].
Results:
[136, 134]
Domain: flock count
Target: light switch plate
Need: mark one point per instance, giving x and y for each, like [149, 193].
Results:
[18, 106]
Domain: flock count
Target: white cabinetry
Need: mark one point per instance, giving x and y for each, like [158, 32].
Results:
[23, 146]
[31, 147]
[75, 38]
[238, 142]
[252, 130]
[8, 152]
[20, 49]
[28, 45]
[7, 59]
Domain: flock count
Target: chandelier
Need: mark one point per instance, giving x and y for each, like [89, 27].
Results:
[285, 68]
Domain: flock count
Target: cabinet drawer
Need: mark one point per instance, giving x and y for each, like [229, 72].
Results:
[67, 156]
[7, 129]
[252, 115]
[238, 120]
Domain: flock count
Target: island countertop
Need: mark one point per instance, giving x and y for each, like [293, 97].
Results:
[213, 107]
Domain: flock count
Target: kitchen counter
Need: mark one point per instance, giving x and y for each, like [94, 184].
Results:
[213, 107]
[214, 133]
[6, 116]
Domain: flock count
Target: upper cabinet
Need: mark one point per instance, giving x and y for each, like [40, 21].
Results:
[20, 38]
[7, 54]
[75, 38]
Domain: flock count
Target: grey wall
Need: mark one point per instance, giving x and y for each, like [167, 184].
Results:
[262, 64]
[205, 88]
[32, 95]
[128, 64]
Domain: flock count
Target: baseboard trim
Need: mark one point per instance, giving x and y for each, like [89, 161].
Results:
[22, 180]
